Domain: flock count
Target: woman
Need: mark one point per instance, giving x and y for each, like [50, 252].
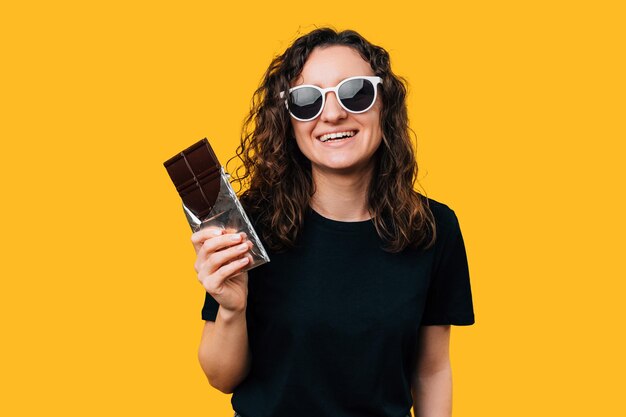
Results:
[351, 318]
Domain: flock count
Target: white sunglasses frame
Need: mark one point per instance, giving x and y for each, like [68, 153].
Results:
[373, 79]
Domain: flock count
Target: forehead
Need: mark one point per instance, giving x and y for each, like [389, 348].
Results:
[326, 66]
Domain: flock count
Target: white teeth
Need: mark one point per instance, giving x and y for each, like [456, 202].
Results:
[336, 135]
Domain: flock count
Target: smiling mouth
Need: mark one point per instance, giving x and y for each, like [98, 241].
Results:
[330, 137]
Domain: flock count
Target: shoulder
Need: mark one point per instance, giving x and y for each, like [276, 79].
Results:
[446, 221]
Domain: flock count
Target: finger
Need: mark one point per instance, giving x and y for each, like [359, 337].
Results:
[219, 243]
[214, 281]
[198, 238]
[231, 269]
[250, 258]
[219, 258]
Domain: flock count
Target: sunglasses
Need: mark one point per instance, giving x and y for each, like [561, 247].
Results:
[355, 94]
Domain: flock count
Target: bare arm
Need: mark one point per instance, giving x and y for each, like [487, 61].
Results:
[432, 380]
[224, 353]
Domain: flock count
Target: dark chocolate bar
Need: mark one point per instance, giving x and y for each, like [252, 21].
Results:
[208, 197]
[196, 174]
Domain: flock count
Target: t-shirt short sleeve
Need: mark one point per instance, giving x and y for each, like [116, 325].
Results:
[449, 298]
[210, 307]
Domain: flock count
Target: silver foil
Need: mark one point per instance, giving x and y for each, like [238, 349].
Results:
[228, 214]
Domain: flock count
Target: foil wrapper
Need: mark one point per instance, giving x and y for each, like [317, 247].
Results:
[208, 197]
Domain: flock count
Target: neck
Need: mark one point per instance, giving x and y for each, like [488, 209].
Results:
[342, 197]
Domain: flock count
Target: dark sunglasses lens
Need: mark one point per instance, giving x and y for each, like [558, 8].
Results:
[357, 95]
[305, 103]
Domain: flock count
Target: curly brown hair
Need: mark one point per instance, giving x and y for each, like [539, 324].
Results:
[277, 179]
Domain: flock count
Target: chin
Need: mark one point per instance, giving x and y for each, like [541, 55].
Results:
[344, 167]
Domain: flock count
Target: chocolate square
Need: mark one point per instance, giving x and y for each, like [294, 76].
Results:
[196, 174]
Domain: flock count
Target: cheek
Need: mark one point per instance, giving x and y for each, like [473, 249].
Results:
[373, 123]
[302, 134]
[374, 114]
[300, 129]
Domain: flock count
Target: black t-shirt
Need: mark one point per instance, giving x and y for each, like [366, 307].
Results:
[333, 324]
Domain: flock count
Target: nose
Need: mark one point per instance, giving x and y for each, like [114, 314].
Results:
[332, 109]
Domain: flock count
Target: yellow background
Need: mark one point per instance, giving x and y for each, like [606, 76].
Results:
[519, 112]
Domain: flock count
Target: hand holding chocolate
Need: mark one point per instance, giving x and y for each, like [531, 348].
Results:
[208, 198]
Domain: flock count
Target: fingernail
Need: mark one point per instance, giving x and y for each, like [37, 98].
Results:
[236, 238]
[216, 232]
